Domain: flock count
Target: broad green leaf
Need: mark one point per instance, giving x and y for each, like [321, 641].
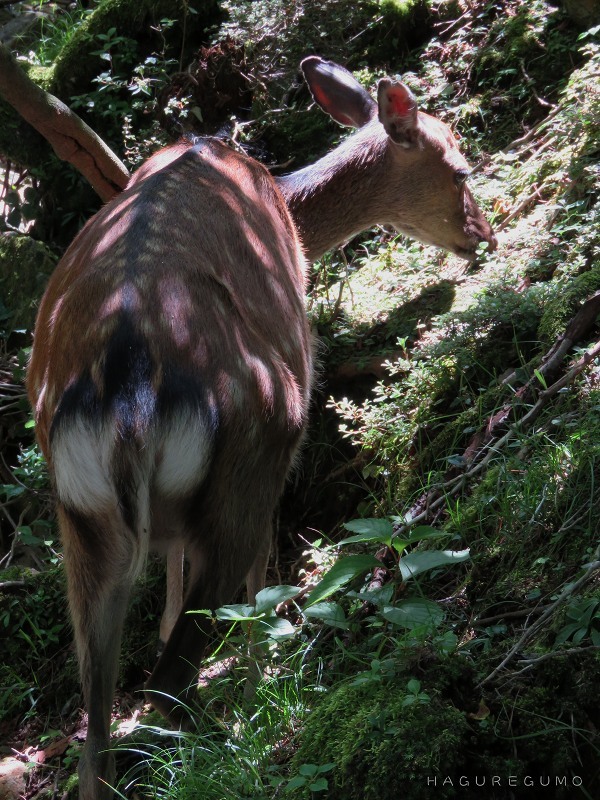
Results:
[425, 532]
[418, 534]
[272, 596]
[320, 785]
[380, 597]
[275, 628]
[566, 632]
[579, 635]
[236, 612]
[342, 572]
[413, 613]
[308, 770]
[369, 530]
[295, 783]
[415, 563]
[28, 537]
[330, 613]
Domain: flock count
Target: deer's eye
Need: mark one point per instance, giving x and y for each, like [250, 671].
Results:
[460, 176]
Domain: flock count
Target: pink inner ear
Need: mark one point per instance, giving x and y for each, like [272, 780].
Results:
[320, 96]
[327, 104]
[401, 104]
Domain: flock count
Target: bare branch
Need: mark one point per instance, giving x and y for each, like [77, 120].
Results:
[70, 137]
[569, 590]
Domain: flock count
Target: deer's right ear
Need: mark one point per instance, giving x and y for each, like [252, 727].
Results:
[338, 92]
[398, 112]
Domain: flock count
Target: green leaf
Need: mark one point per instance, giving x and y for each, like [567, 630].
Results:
[418, 534]
[272, 596]
[566, 632]
[425, 532]
[320, 785]
[413, 613]
[295, 783]
[540, 378]
[308, 770]
[237, 612]
[369, 530]
[28, 537]
[10, 490]
[579, 635]
[381, 596]
[326, 767]
[342, 572]
[416, 563]
[275, 628]
[329, 613]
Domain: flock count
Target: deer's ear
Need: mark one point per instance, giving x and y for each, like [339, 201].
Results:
[338, 92]
[398, 112]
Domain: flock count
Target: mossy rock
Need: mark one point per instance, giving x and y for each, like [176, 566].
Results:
[25, 265]
[383, 748]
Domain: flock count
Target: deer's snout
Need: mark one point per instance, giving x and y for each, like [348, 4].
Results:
[476, 230]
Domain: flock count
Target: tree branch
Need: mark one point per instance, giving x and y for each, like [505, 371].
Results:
[70, 137]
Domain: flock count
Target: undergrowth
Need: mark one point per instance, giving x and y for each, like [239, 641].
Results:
[454, 631]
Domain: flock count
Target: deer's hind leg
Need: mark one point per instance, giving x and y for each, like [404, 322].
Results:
[100, 555]
[229, 536]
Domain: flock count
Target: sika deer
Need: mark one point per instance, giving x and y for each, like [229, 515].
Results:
[403, 167]
[171, 365]
[170, 378]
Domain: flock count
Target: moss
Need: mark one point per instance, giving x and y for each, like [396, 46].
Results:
[24, 269]
[561, 309]
[384, 749]
[42, 76]
[381, 749]
[403, 12]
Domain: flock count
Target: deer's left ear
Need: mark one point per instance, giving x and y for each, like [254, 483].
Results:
[398, 112]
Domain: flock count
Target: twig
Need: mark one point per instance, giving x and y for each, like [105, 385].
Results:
[524, 612]
[529, 633]
[454, 23]
[520, 207]
[533, 132]
[532, 662]
[7, 585]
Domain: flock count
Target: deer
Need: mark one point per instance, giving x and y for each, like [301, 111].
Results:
[171, 368]
[402, 168]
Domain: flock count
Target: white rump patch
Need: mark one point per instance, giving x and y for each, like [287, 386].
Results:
[183, 454]
[174, 460]
[81, 459]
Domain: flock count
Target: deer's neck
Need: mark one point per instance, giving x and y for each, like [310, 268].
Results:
[339, 195]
